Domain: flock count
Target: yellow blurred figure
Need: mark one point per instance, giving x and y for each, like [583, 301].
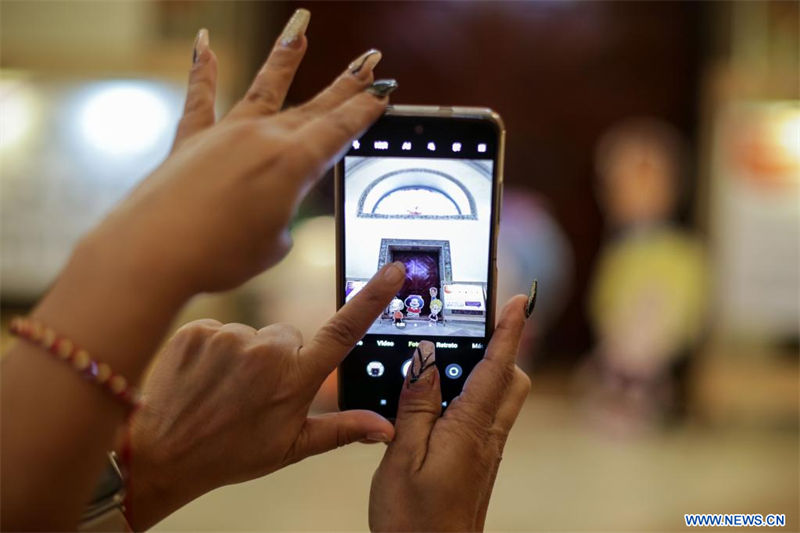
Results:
[648, 300]
[649, 294]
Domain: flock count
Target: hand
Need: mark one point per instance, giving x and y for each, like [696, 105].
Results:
[216, 212]
[228, 403]
[211, 216]
[438, 473]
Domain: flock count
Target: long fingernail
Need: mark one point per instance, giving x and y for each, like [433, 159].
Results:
[531, 303]
[394, 272]
[295, 28]
[382, 88]
[365, 63]
[422, 363]
[200, 44]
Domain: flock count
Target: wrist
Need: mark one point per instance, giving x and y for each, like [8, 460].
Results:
[154, 488]
[132, 263]
[113, 303]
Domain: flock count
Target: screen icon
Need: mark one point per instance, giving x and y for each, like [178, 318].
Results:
[356, 145]
[481, 147]
[456, 147]
[381, 145]
[432, 146]
[383, 401]
[453, 371]
[404, 368]
[406, 146]
[375, 369]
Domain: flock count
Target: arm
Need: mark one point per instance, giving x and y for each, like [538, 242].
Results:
[55, 425]
[212, 215]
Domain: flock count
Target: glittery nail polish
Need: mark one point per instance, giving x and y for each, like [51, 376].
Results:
[295, 28]
[200, 44]
[382, 88]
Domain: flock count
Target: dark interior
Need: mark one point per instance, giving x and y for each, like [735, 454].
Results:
[422, 273]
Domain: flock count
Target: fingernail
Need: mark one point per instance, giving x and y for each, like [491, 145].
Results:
[422, 363]
[295, 28]
[394, 272]
[382, 88]
[200, 44]
[365, 63]
[531, 303]
[377, 437]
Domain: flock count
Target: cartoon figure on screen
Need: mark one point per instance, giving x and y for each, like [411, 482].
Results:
[396, 308]
[414, 305]
[436, 305]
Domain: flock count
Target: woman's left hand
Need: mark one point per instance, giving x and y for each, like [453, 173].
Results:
[217, 211]
[228, 403]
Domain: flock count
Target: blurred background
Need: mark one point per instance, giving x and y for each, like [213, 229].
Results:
[652, 186]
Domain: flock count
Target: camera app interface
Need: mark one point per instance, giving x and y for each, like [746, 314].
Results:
[434, 215]
[420, 191]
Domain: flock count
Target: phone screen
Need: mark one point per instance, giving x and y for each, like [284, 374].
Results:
[423, 191]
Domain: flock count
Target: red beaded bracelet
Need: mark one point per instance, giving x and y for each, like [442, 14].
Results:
[66, 350]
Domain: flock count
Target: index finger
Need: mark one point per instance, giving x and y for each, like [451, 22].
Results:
[490, 379]
[336, 338]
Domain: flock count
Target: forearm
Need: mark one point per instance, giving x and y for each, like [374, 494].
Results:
[57, 426]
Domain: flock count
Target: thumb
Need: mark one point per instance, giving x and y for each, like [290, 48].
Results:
[198, 112]
[326, 432]
[419, 408]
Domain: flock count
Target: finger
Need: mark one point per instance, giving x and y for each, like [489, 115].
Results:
[236, 327]
[223, 346]
[198, 111]
[357, 76]
[489, 380]
[336, 338]
[286, 332]
[200, 323]
[326, 432]
[419, 408]
[268, 90]
[512, 404]
[324, 139]
[506, 416]
[186, 343]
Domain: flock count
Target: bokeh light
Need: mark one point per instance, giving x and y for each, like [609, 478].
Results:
[124, 118]
[18, 113]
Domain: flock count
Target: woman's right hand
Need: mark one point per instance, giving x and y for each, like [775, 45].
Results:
[216, 212]
[438, 473]
[227, 403]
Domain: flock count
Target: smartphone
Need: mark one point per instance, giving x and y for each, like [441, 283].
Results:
[423, 186]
